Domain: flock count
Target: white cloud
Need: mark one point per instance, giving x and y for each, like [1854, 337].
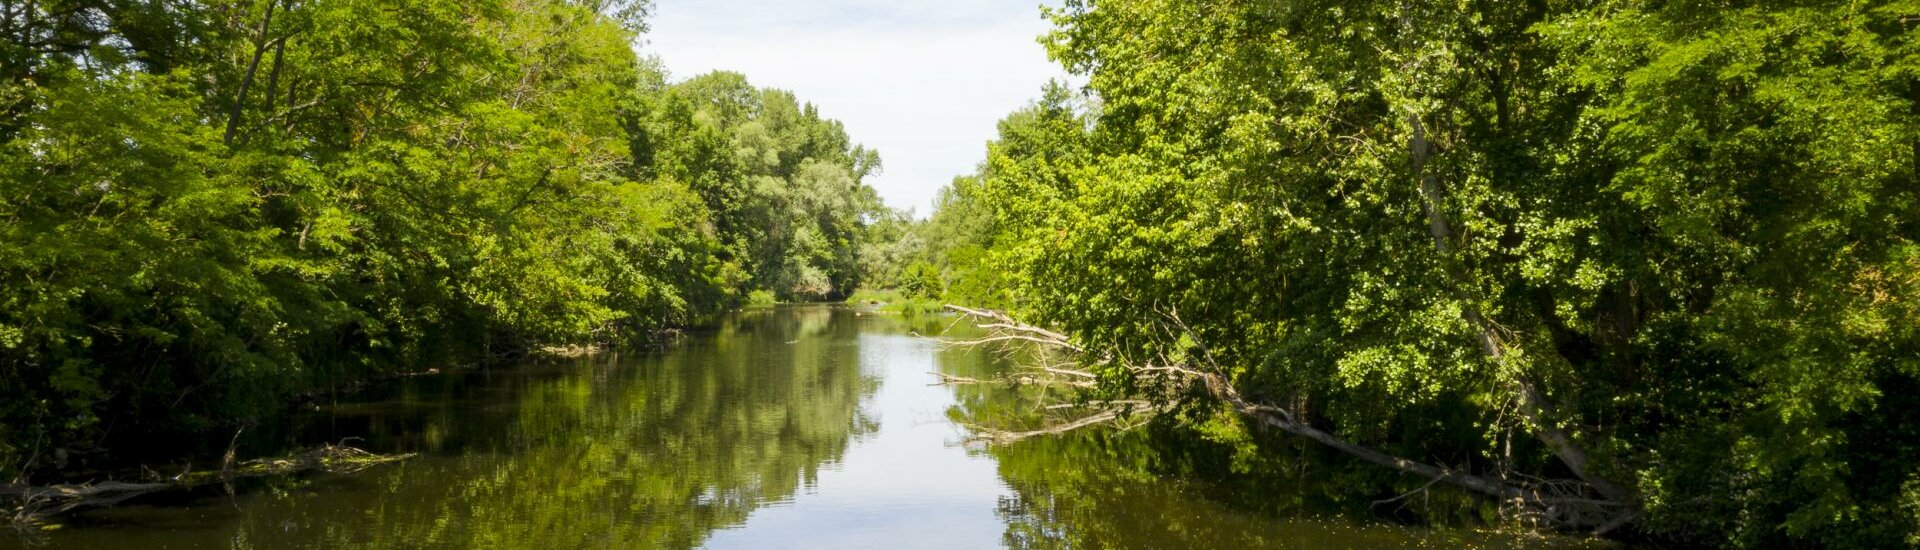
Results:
[923, 82]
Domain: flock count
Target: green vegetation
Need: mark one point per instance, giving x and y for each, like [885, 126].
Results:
[635, 451]
[658, 455]
[1162, 485]
[903, 302]
[783, 185]
[1636, 267]
[1666, 252]
[762, 298]
[209, 207]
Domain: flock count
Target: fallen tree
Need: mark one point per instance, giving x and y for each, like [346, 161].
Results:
[30, 506]
[1561, 504]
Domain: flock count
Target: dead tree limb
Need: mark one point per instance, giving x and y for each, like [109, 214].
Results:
[1002, 322]
[1109, 416]
[1561, 503]
[951, 380]
[27, 506]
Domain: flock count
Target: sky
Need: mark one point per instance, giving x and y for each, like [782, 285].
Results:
[924, 82]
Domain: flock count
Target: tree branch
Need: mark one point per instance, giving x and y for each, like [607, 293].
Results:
[1546, 498]
[260, 46]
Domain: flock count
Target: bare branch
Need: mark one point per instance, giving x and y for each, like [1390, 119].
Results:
[948, 379]
[1561, 502]
[999, 437]
[1008, 338]
[1403, 496]
[33, 504]
[1004, 323]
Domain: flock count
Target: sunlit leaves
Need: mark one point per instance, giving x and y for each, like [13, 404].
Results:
[1692, 225]
[405, 186]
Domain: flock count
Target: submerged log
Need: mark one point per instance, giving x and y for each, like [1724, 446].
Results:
[29, 506]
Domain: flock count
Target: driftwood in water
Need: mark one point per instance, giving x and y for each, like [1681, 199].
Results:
[1561, 503]
[27, 506]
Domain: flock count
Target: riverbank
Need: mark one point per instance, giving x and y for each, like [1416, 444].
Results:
[895, 302]
[789, 426]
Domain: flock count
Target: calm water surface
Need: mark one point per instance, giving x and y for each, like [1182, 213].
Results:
[803, 427]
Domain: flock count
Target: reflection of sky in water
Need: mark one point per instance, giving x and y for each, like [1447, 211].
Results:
[803, 427]
[906, 485]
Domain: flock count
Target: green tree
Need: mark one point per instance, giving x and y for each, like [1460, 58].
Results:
[1664, 250]
[211, 206]
[786, 184]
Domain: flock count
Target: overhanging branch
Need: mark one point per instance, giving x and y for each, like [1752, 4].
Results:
[1562, 502]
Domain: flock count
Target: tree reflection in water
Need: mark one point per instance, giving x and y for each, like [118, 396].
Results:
[632, 452]
[657, 454]
[1157, 486]
[662, 450]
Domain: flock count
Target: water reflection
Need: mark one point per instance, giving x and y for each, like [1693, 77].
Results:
[655, 452]
[908, 484]
[810, 427]
[1131, 489]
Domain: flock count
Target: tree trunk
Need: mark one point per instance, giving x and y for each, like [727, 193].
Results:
[260, 45]
[273, 78]
[1534, 406]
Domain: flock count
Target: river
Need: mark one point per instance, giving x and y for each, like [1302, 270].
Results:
[791, 427]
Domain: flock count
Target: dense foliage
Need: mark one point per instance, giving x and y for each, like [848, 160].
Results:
[784, 185]
[1666, 249]
[209, 206]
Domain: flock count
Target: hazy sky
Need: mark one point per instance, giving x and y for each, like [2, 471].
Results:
[922, 81]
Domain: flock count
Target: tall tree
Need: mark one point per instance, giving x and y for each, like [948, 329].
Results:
[1662, 250]
[210, 205]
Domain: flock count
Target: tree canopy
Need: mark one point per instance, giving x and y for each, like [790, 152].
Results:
[1666, 250]
[1653, 257]
[208, 207]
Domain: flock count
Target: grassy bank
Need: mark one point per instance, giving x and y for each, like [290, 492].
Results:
[895, 302]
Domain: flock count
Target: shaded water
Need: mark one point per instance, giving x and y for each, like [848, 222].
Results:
[804, 427]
